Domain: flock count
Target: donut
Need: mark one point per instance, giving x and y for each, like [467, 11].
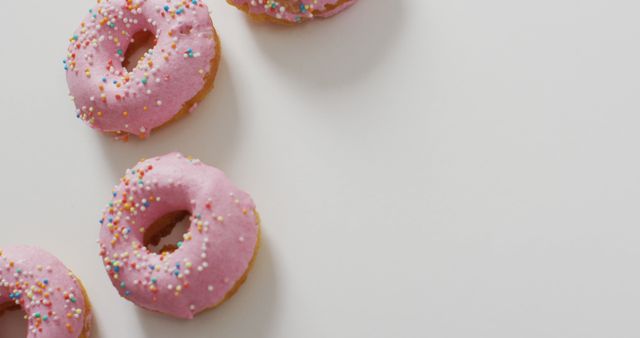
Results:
[53, 299]
[291, 11]
[167, 82]
[214, 256]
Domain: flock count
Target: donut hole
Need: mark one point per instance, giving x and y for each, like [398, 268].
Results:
[12, 320]
[141, 43]
[166, 233]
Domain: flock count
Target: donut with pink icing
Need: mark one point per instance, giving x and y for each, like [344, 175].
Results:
[167, 82]
[53, 299]
[291, 11]
[213, 257]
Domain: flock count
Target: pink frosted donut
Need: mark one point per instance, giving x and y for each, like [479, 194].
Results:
[53, 299]
[213, 259]
[168, 80]
[291, 11]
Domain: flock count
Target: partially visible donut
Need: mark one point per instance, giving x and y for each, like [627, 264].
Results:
[167, 82]
[291, 11]
[215, 255]
[52, 297]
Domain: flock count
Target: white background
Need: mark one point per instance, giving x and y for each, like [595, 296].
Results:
[424, 168]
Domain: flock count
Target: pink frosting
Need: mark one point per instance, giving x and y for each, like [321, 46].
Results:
[45, 289]
[294, 10]
[215, 253]
[112, 99]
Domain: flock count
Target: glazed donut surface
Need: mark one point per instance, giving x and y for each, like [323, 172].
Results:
[215, 254]
[291, 11]
[166, 82]
[52, 298]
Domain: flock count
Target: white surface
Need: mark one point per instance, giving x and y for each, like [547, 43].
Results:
[424, 168]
